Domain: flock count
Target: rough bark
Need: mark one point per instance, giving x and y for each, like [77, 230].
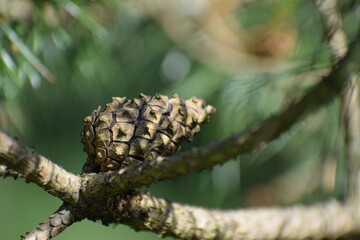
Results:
[142, 211]
[109, 197]
[350, 107]
[54, 225]
[5, 172]
[38, 169]
[351, 120]
[333, 31]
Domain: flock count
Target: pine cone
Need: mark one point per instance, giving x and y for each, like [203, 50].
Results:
[128, 131]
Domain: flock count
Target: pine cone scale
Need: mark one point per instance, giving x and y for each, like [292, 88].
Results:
[128, 131]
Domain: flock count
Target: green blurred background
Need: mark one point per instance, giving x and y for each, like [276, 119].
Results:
[59, 60]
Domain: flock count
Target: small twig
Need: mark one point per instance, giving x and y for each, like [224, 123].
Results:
[350, 109]
[54, 225]
[197, 159]
[38, 169]
[141, 211]
[333, 30]
[5, 172]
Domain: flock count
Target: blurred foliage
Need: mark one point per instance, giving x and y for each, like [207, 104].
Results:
[59, 60]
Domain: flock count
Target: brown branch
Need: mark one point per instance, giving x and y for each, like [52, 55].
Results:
[144, 212]
[38, 169]
[333, 30]
[197, 159]
[5, 172]
[351, 119]
[350, 108]
[141, 211]
[54, 225]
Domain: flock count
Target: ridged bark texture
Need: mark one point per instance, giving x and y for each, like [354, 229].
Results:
[142, 211]
[53, 226]
[128, 131]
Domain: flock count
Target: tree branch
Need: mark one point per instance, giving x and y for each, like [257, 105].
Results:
[350, 108]
[197, 159]
[333, 30]
[141, 211]
[38, 169]
[144, 212]
[351, 119]
[54, 225]
[5, 172]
